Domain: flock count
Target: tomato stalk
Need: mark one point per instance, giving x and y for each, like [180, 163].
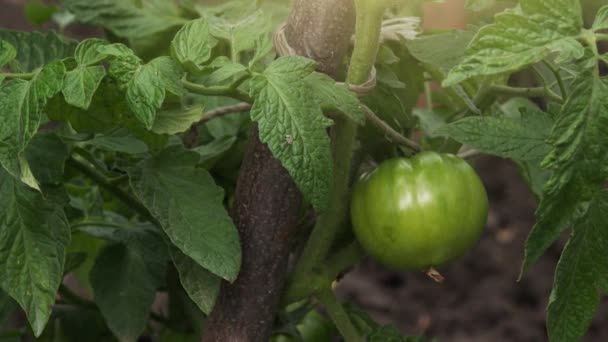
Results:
[339, 316]
[526, 92]
[23, 76]
[367, 42]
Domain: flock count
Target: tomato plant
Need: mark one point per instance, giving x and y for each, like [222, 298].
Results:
[419, 213]
[187, 174]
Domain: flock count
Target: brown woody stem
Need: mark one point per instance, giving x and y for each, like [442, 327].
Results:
[267, 202]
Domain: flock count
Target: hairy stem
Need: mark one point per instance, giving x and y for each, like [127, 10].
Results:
[23, 76]
[392, 134]
[558, 78]
[343, 260]
[322, 276]
[339, 316]
[526, 92]
[367, 41]
[221, 111]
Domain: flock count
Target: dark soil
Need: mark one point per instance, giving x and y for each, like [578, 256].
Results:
[480, 299]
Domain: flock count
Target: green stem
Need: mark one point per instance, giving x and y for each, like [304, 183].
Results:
[428, 94]
[367, 42]
[86, 223]
[526, 92]
[591, 40]
[601, 36]
[24, 76]
[330, 221]
[339, 316]
[322, 276]
[343, 260]
[92, 160]
[105, 183]
[558, 78]
[469, 154]
[392, 134]
[221, 111]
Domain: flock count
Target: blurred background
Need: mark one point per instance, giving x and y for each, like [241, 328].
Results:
[480, 300]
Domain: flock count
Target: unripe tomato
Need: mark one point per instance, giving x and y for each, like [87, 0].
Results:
[413, 214]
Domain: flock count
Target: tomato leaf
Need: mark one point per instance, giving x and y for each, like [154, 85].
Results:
[34, 234]
[105, 111]
[146, 85]
[192, 45]
[578, 158]
[21, 104]
[177, 119]
[201, 285]
[292, 124]
[46, 155]
[522, 36]
[126, 275]
[49, 47]
[145, 94]
[582, 273]
[81, 83]
[521, 139]
[189, 206]
[118, 140]
[125, 18]
[335, 97]
[441, 51]
[601, 19]
[89, 52]
[7, 53]
[241, 34]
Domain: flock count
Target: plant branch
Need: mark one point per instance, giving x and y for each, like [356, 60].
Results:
[23, 76]
[526, 92]
[323, 275]
[469, 154]
[343, 260]
[221, 111]
[558, 78]
[267, 202]
[339, 316]
[392, 134]
[601, 36]
[367, 41]
[105, 183]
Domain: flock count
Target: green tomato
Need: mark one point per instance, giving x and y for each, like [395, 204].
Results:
[419, 213]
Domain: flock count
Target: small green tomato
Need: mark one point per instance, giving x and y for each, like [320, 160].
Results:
[419, 213]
